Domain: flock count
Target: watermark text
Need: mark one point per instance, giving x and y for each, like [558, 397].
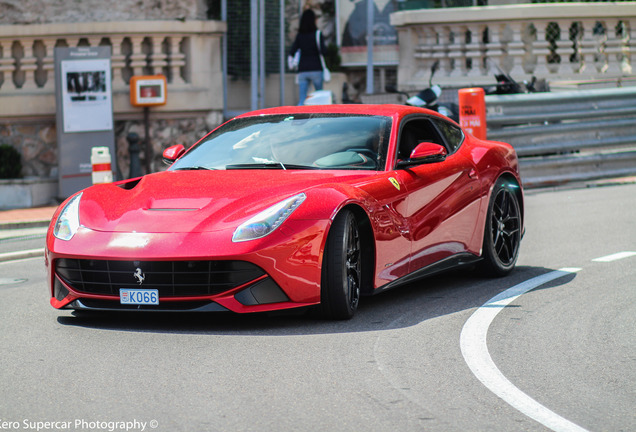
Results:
[77, 425]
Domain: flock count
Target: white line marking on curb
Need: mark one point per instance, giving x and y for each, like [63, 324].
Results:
[615, 257]
[13, 256]
[475, 352]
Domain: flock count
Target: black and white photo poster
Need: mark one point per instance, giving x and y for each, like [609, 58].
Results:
[86, 95]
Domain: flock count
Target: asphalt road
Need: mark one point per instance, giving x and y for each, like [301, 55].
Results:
[564, 351]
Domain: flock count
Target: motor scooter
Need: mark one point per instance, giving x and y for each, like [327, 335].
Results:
[429, 97]
[506, 84]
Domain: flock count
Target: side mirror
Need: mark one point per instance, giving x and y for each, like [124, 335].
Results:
[173, 153]
[425, 152]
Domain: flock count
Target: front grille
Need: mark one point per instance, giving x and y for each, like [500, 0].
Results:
[171, 278]
[176, 306]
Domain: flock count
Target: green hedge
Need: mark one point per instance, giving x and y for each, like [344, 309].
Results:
[10, 165]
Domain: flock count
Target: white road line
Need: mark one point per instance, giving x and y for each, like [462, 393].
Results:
[615, 257]
[475, 352]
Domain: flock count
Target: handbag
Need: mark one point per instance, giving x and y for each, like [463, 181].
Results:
[326, 74]
[293, 61]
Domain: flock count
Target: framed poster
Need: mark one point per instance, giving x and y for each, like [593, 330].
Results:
[86, 95]
[352, 32]
[148, 90]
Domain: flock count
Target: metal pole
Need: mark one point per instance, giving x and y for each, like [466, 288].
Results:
[261, 53]
[370, 20]
[281, 63]
[224, 58]
[147, 145]
[254, 53]
[134, 149]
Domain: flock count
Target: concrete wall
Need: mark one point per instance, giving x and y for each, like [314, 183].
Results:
[71, 11]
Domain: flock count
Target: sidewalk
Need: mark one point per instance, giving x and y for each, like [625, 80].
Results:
[26, 218]
[23, 223]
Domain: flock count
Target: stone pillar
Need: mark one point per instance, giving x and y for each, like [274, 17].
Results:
[176, 60]
[494, 48]
[28, 64]
[613, 48]
[457, 51]
[7, 65]
[137, 56]
[565, 50]
[588, 48]
[516, 50]
[48, 64]
[158, 58]
[117, 63]
[541, 51]
[475, 50]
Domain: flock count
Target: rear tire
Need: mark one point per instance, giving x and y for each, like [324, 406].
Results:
[341, 268]
[502, 235]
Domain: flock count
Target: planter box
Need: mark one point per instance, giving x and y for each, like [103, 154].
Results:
[27, 192]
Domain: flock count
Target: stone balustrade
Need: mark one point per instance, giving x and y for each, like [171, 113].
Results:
[555, 42]
[188, 53]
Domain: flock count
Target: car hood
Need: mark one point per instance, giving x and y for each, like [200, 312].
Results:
[196, 201]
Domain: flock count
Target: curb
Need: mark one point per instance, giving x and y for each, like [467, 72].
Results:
[31, 253]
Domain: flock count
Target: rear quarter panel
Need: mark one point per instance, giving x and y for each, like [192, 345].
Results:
[492, 160]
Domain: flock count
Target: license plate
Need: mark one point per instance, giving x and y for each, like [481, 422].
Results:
[139, 296]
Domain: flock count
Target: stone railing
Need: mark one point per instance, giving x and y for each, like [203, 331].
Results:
[555, 42]
[188, 53]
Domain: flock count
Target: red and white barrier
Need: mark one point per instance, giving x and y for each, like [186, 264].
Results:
[101, 162]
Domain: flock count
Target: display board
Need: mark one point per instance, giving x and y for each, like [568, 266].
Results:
[84, 113]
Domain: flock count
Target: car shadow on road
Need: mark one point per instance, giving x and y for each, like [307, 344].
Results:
[452, 292]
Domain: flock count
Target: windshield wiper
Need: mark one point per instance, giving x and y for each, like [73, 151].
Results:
[259, 165]
[193, 168]
[267, 165]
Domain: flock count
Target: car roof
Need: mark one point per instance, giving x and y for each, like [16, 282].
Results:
[390, 110]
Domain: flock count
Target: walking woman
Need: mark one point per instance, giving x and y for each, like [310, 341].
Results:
[310, 66]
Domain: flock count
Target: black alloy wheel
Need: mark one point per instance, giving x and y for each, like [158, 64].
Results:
[502, 236]
[342, 268]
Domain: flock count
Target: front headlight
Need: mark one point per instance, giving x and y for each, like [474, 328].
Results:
[268, 220]
[68, 221]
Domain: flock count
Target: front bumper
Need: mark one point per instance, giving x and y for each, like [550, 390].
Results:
[282, 270]
[261, 294]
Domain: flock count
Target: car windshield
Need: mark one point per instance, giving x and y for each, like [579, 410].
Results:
[298, 141]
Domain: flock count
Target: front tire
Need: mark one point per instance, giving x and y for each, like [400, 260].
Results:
[502, 235]
[341, 268]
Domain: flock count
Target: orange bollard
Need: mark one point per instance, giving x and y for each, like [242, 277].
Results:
[472, 111]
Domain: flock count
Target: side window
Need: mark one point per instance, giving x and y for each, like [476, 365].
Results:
[414, 132]
[451, 133]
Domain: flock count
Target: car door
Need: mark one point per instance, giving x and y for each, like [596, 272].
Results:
[442, 197]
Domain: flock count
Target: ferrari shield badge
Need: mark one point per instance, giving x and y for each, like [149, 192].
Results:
[394, 182]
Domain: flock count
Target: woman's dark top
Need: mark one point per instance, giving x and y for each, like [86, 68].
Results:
[309, 55]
